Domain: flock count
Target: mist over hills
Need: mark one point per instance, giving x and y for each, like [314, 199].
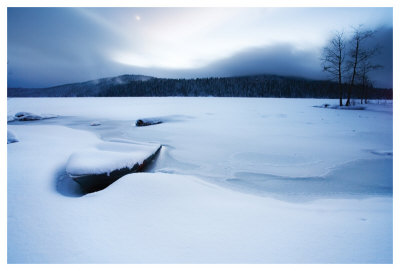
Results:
[90, 88]
[238, 86]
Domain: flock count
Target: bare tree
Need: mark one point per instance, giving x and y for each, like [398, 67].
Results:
[360, 57]
[333, 58]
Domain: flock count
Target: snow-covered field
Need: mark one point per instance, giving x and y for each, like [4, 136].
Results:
[237, 181]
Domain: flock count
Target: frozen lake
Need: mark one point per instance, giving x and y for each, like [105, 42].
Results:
[253, 181]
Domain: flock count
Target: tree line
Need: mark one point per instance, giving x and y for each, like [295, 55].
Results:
[246, 86]
[241, 86]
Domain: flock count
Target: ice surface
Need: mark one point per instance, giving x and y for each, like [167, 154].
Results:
[211, 197]
[358, 179]
[213, 134]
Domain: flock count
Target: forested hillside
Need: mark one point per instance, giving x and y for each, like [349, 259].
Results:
[244, 86]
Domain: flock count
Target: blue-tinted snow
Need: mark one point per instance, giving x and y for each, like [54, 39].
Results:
[257, 180]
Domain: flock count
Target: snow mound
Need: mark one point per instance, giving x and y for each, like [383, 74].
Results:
[26, 116]
[95, 123]
[11, 138]
[109, 156]
[10, 118]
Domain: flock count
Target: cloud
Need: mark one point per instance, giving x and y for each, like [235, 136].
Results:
[384, 39]
[286, 59]
[281, 59]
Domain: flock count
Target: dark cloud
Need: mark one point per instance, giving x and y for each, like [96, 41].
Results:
[285, 59]
[52, 46]
[281, 59]
[383, 38]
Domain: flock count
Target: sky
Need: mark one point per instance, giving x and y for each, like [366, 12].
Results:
[53, 46]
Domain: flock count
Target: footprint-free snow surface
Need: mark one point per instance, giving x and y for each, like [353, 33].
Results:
[236, 181]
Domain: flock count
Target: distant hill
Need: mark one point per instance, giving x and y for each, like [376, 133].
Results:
[239, 86]
[85, 89]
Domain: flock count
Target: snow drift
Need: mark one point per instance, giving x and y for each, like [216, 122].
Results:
[98, 167]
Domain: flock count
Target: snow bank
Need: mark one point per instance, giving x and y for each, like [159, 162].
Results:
[107, 157]
[11, 138]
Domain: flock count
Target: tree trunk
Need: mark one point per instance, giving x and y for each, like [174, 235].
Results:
[364, 91]
[340, 81]
[354, 73]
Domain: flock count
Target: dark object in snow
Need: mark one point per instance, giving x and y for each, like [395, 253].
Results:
[26, 116]
[96, 182]
[95, 123]
[350, 107]
[147, 122]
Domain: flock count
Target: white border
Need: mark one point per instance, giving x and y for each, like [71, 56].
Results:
[196, 3]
